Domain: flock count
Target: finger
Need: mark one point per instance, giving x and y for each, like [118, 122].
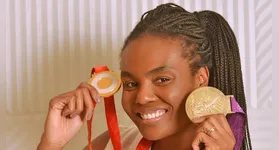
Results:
[70, 106]
[225, 124]
[217, 123]
[213, 119]
[78, 103]
[59, 102]
[89, 107]
[67, 94]
[209, 129]
[202, 138]
[92, 90]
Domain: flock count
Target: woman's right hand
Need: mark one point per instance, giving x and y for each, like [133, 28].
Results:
[66, 115]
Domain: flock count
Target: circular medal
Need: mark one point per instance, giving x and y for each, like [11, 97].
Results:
[206, 101]
[106, 83]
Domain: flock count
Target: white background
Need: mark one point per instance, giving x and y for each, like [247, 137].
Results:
[50, 46]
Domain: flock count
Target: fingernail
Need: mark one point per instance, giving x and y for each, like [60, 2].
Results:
[97, 98]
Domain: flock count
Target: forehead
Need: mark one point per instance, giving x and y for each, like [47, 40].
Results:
[151, 51]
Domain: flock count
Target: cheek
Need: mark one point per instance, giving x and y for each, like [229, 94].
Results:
[176, 92]
[127, 101]
[175, 97]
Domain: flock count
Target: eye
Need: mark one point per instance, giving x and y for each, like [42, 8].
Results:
[129, 85]
[162, 80]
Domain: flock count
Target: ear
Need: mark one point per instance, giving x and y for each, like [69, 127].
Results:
[202, 76]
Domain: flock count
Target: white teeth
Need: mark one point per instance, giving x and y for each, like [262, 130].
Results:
[144, 116]
[156, 114]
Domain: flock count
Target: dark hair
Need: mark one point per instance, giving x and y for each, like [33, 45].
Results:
[206, 34]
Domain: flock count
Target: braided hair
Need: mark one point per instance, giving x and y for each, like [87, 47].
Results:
[213, 41]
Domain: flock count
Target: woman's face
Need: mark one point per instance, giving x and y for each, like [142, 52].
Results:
[156, 82]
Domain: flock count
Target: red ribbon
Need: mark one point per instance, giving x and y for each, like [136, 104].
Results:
[111, 117]
[144, 144]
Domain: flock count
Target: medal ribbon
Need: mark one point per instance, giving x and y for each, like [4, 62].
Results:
[237, 122]
[111, 117]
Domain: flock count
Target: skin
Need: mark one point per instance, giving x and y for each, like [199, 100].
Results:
[155, 77]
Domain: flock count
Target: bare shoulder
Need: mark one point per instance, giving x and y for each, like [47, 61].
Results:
[100, 142]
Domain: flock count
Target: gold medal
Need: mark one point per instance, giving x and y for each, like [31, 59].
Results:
[106, 83]
[207, 101]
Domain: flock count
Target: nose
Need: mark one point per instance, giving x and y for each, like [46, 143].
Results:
[145, 95]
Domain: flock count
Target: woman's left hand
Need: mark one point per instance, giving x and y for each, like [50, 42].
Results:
[215, 132]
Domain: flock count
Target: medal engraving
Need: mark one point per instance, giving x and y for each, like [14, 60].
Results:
[206, 101]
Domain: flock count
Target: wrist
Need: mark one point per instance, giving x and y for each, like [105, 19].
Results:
[46, 145]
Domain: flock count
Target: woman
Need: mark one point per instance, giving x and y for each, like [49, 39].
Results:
[170, 53]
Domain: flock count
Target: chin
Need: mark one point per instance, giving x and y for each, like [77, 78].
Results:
[156, 132]
[152, 134]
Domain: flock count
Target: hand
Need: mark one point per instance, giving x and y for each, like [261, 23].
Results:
[67, 113]
[215, 132]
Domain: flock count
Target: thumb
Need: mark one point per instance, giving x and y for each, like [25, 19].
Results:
[196, 143]
[199, 139]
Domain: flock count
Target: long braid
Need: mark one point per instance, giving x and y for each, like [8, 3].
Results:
[228, 74]
[214, 42]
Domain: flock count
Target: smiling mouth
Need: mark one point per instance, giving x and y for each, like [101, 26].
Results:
[152, 115]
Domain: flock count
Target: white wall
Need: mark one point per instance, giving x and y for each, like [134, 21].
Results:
[51, 46]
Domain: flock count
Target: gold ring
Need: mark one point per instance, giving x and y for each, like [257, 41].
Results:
[210, 130]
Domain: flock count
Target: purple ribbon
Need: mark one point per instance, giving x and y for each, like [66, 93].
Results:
[237, 122]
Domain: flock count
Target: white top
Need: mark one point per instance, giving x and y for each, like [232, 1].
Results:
[130, 137]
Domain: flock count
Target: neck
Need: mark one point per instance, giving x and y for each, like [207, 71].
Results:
[180, 140]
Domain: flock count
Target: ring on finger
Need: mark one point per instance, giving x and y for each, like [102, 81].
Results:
[210, 130]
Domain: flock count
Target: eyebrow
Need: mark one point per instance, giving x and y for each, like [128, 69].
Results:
[153, 71]
[126, 74]
[158, 70]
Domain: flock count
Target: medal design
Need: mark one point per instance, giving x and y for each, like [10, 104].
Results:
[207, 101]
[106, 83]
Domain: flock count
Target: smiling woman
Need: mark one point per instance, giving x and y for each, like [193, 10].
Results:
[199, 49]
[170, 53]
